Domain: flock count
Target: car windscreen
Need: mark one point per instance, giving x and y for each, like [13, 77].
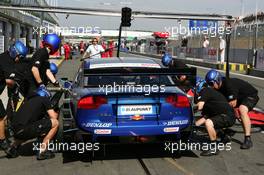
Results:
[92, 81]
[128, 80]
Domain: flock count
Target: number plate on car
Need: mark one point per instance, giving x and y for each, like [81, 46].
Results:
[135, 109]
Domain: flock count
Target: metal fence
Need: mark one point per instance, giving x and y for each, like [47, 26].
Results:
[241, 56]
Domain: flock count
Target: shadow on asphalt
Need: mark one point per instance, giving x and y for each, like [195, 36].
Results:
[126, 151]
[26, 149]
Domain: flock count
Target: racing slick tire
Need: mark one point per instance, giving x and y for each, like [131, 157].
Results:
[185, 136]
[70, 138]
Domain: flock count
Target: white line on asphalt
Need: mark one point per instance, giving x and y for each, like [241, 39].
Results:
[179, 167]
[248, 76]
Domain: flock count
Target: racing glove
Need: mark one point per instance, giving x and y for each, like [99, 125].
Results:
[46, 92]
[42, 86]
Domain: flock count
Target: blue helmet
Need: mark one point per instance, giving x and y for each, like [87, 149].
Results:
[213, 76]
[43, 92]
[53, 68]
[52, 41]
[166, 59]
[200, 83]
[18, 49]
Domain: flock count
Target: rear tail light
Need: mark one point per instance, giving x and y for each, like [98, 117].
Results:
[91, 102]
[179, 101]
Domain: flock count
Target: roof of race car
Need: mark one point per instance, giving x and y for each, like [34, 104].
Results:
[135, 62]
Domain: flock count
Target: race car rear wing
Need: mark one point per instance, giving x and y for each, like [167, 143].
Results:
[139, 71]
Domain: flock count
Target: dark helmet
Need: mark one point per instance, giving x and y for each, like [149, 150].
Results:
[53, 68]
[18, 49]
[52, 41]
[213, 76]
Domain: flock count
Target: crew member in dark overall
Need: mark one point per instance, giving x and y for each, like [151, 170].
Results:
[36, 118]
[216, 113]
[183, 81]
[240, 94]
[40, 66]
[8, 60]
[25, 77]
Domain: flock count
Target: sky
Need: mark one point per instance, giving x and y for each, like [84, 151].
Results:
[229, 7]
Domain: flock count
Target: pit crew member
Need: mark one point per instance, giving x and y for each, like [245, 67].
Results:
[40, 65]
[36, 118]
[182, 80]
[216, 113]
[8, 60]
[240, 94]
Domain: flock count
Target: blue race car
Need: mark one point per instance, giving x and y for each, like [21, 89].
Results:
[125, 97]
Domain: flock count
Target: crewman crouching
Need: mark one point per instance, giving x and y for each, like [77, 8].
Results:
[36, 118]
[216, 114]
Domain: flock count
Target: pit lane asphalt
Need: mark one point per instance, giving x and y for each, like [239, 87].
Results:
[124, 159]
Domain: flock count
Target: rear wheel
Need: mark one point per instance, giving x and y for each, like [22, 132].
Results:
[184, 139]
[185, 136]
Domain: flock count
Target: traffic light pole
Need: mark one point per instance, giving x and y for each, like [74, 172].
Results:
[125, 21]
[228, 36]
[119, 41]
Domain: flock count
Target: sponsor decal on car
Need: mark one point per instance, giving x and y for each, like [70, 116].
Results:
[97, 125]
[135, 109]
[137, 117]
[103, 131]
[175, 122]
[171, 129]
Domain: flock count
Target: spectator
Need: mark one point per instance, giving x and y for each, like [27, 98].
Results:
[82, 47]
[205, 48]
[104, 54]
[94, 50]
[62, 51]
[67, 51]
[222, 47]
[206, 42]
[111, 48]
[184, 42]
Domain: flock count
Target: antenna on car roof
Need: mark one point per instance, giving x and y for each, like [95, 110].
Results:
[125, 22]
